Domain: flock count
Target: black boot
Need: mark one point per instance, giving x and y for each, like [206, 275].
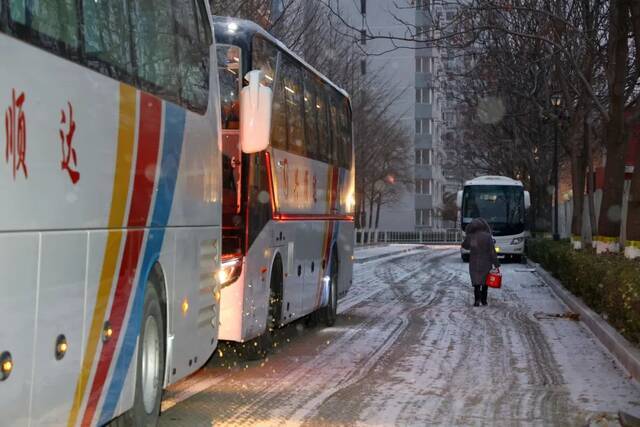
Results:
[477, 294]
[483, 296]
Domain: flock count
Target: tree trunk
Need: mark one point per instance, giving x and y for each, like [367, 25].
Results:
[378, 203]
[577, 177]
[593, 226]
[632, 247]
[609, 221]
[371, 201]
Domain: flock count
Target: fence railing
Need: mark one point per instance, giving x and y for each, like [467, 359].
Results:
[433, 237]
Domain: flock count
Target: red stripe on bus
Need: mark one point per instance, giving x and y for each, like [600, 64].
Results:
[312, 217]
[145, 172]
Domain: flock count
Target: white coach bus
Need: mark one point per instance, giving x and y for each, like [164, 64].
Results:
[287, 210]
[110, 226]
[502, 202]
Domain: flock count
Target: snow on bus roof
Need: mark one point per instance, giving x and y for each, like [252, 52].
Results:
[255, 28]
[493, 180]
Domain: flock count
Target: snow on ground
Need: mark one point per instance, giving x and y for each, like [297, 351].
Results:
[409, 349]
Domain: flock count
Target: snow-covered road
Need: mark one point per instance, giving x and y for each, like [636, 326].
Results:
[408, 349]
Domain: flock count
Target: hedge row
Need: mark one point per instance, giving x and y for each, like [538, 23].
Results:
[608, 283]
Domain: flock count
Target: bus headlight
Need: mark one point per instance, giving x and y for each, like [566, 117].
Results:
[229, 270]
[517, 240]
[351, 202]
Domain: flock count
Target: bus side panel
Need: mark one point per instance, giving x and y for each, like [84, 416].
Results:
[198, 191]
[196, 315]
[18, 289]
[61, 300]
[232, 307]
[313, 247]
[345, 253]
[70, 97]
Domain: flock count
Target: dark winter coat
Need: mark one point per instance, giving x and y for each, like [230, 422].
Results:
[482, 255]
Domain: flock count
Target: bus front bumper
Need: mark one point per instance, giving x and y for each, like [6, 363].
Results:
[504, 247]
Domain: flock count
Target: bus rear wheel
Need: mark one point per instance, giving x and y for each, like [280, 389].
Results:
[329, 313]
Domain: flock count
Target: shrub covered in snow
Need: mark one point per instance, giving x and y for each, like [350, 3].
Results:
[608, 283]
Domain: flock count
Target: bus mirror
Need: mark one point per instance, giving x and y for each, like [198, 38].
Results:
[459, 199]
[527, 200]
[255, 114]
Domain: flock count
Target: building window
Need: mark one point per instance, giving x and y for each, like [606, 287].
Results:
[424, 217]
[424, 186]
[424, 95]
[431, 126]
[422, 64]
[424, 157]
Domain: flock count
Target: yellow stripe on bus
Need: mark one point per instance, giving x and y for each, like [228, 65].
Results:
[126, 135]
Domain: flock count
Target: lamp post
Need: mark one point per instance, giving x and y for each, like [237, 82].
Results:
[556, 103]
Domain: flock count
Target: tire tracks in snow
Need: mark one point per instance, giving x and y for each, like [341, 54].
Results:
[310, 391]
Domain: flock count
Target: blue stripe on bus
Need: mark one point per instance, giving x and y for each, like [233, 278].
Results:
[171, 150]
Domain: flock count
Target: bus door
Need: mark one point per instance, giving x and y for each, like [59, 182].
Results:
[229, 71]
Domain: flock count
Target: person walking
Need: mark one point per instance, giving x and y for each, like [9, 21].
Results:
[482, 257]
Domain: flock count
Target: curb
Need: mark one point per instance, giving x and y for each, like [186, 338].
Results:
[625, 352]
[385, 255]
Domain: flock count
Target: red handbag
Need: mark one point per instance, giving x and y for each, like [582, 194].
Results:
[494, 279]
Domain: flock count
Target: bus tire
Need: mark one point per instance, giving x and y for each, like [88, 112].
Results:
[330, 312]
[150, 362]
[259, 347]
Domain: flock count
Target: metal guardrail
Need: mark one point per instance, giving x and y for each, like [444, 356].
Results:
[432, 237]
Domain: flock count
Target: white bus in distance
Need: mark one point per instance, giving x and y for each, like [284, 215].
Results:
[110, 227]
[502, 202]
[287, 210]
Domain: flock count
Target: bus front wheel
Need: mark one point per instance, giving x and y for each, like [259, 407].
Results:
[259, 347]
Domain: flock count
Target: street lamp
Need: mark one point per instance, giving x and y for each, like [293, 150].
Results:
[556, 103]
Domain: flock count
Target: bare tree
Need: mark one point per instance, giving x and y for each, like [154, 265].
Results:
[382, 152]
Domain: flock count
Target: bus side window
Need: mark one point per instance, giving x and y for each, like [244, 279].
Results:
[335, 137]
[345, 113]
[279, 112]
[107, 37]
[294, 101]
[310, 116]
[229, 71]
[52, 25]
[193, 35]
[156, 48]
[324, 135]
[264, 58]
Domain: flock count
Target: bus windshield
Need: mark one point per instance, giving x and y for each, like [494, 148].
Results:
[502, 206]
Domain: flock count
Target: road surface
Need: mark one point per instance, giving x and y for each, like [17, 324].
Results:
[409, 349]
